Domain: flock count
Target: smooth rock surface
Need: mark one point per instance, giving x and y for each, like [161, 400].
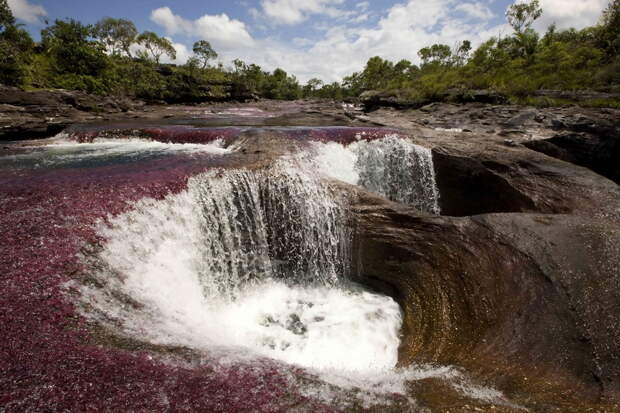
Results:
[517, 283]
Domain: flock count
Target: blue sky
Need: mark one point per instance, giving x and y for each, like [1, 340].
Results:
[310, 38]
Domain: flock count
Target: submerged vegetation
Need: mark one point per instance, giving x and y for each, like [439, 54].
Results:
[113, 58]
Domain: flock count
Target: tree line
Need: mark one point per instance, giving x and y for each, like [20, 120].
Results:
[112, 58]
[516, 66]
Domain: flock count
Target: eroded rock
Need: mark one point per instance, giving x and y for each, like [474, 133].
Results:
[520, 299]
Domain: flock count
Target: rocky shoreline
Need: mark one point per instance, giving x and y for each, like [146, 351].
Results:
[584, 136]
[517, 282]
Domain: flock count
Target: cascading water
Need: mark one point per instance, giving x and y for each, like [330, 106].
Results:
[65, 150]
[392, 167]
[252, 260]
[245, 264]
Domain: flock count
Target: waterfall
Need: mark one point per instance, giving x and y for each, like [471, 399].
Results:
[307, 224]
[392, 167]
[247, 259]
[253, 263]
[278, 223]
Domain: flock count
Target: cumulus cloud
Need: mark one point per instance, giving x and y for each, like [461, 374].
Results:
[364, 5]
[295, 11]
[407, 27]
[183, 54]
[343, 49]
[570, 13]
[220, 30]
[23, 10]
[475, 10]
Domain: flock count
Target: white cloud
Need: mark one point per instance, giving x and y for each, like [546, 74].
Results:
[23, 10]
[302, 42]
[359, 19]
[475, 10]
[364, 5]
[172, 23]
[220, 30]
[296, 11]
[570, 13]
[344, 49]
[183, 54]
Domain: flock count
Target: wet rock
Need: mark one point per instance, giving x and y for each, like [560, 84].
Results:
[480, 176]
[523, 118]
[519, 299]
[590, 141]
[38, 114]
[598, 153]
[295, 325]
[577, 95]
[395, 99]
[586, 137]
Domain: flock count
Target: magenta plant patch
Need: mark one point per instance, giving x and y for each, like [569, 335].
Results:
[48, 361]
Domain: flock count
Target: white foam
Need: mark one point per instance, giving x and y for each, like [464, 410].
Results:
[197, 269]
[198, 266]
[244, 112]
[63, 150]
[108, 146]
[392, 167]
[338, 161]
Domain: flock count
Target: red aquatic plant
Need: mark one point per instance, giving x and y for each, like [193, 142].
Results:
[48, 359]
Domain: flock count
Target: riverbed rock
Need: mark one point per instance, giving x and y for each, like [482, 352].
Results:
[39, 114]
[517, 283]
[584, 136]
[522, 300]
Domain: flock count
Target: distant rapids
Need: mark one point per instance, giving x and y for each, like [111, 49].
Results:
[392, 167]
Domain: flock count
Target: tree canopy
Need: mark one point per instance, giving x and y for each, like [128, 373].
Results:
[204, 52]
[521, 16]
[155, 47]
[111, 57]
[116, 34]
[6, 16]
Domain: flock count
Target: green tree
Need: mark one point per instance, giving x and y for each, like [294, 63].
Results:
[116, 34]
[16, 48]
[68, 44]
[312, 86]
[204, 52]
[521, 16]
[6, 16]
[609, 36]
[156, 46]
[353, 84]
[525, 44]
[438, 54]
[376, 74]
[279, 85]
[462, 52]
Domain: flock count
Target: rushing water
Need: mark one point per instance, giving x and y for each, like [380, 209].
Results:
[244, 259]
[252, 263]
[392, 167]
[64, 151]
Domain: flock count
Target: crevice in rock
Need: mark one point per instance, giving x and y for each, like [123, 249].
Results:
[599, 153]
